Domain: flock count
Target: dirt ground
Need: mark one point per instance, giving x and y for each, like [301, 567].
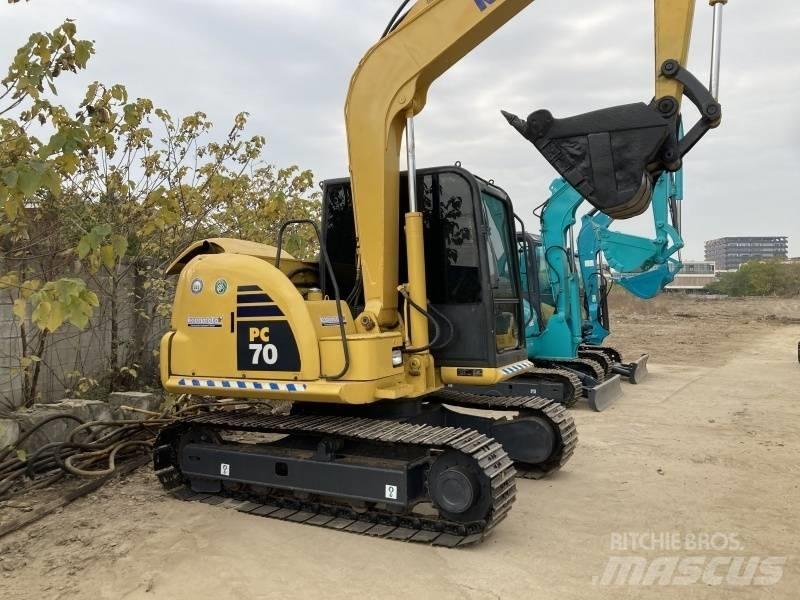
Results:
[681, 330]
[699, 461]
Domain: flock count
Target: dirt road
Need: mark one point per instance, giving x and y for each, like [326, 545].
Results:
[704, 447]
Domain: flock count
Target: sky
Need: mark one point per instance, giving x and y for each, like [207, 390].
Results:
[288, 63]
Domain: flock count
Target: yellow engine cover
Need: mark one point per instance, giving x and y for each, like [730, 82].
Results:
[240, 327]
[236, 316]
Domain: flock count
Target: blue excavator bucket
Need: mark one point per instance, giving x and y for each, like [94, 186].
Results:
[629, 253]
[649, 284]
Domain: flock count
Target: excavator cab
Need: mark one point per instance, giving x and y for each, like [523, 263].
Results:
[552, 312]
[472, 272]
[541, 303]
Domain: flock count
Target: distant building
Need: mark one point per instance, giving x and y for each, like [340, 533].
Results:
[694, 277]
[730, 253]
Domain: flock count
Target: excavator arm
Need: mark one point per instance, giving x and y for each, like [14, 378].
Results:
[673, 32]
[644, 266]
[390, 86]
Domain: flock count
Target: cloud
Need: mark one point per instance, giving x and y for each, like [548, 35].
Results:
[288, 62]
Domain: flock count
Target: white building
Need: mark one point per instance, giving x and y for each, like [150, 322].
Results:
[694, 277]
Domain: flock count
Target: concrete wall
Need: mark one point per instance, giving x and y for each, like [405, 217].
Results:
[691, 282]
[71, 351]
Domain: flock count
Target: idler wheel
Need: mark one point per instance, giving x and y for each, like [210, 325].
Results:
[459, 488]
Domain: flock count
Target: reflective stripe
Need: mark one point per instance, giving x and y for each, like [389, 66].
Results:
[243, 385]
[517, 367]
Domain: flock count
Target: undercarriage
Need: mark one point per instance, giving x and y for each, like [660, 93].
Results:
[423, 472]
[634, 372]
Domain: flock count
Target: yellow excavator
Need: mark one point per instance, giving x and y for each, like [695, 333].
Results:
[368, 341]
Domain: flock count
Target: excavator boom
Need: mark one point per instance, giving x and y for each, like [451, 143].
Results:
[390, 84]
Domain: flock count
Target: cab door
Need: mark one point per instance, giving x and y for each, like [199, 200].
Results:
[503, 270]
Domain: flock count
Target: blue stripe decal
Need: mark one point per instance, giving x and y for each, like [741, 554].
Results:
[243, 385]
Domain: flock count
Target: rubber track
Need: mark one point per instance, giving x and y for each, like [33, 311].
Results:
[599, 357]
[555, 413]
[614, 355]
[595, 367]
[487, 453]
[561, 376]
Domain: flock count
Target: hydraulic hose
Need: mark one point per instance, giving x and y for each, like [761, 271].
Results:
[394, 22]
[431, 320]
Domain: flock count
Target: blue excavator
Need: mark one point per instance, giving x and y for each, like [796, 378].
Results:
[553, 303]
[567, 288]
[642, 266]
[596, 160]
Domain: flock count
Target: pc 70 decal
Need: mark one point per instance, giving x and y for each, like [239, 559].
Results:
[266, 346]
[263, 351]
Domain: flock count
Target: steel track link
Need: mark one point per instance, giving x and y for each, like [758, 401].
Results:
[486, 452]
[564, 377]
[561, 420]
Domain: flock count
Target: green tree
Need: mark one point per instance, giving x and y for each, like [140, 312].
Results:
[31, 172]
[154, 186]
[760, 278]
[96, 201]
